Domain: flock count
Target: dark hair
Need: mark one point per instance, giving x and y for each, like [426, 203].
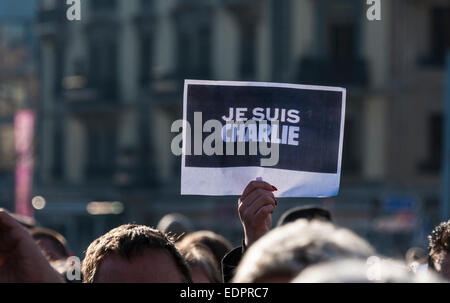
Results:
[216, 243]
[304, 212]
[438, 242]
[128, 241]
[198, 255]
[56, 238]
[175, 224]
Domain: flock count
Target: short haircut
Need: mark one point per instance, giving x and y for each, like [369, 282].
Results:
[289, 249]
[128, 241]
[304, 212]
[58, 239]
[198, 255]
[216, 243]
[438, 243]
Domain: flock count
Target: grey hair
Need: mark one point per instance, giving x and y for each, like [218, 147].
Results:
[289, 249]
[364, 271]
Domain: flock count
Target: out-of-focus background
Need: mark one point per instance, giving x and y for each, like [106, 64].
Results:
[86, 107]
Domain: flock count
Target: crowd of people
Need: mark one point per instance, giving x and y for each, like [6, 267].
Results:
[304, 247]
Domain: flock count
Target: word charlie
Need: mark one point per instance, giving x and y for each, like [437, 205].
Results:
[224, 138]
[235, 131]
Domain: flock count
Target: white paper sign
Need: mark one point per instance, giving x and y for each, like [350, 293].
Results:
[289, 135]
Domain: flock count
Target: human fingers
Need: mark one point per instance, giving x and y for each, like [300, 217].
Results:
[254, 195]
[263, 212]
[253, 185]
[260, 202]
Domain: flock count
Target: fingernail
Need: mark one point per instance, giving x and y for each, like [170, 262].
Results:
[274, 188]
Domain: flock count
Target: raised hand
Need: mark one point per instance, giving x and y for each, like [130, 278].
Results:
[256, 206]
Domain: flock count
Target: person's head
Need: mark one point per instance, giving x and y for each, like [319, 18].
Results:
[284, 252]
[134, 254]
[373, 270]
[176, 225]
[217, 244]
[202, 264]
[27, 222]
[52, 243]
[304, 212]
[439, 249]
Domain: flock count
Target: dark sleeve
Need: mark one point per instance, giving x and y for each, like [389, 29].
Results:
[231, 261]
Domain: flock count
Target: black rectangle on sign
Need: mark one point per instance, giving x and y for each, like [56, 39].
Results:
[319, 128]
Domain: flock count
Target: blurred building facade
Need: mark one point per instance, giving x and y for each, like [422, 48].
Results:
[112, 86]
[18, 83]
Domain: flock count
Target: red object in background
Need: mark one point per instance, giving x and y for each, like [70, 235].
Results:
[24, 122]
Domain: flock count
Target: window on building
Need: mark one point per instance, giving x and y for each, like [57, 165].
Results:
[59, 68]
[280, 32]
[204, 48]
[48, 4]
[101, 152]
[350, 156]
[145, 26]
[146, 58]
[432, 163]
[335, 58]
[341, 41]
[58, 152]
[440, 34]
[194, 53]
[194, 44]
[7, 151]
[103, 60]
[248, 53]
[104, 5]
[338, 28]
[147, 5]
